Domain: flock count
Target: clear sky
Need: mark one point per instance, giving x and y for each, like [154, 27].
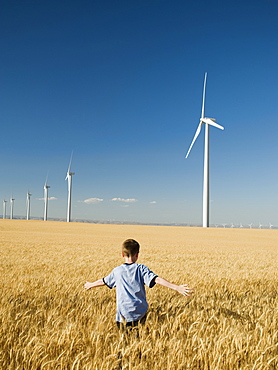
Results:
[119, 83]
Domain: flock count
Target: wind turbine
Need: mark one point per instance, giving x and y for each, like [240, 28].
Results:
[12, 207]
[69, 178]
[4, 208]
[28, 205]
[207, 122]
[46, 187]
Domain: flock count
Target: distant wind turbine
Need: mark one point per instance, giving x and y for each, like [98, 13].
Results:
[4, 208]
[12, 207]
[28, 205]
[46, 187]
[208, 122]
[250, 225]
[270, 225]
[69, 178]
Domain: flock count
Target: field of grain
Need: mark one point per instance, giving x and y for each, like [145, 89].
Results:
[48, 320]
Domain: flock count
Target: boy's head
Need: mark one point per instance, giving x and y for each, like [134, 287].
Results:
[130, 248]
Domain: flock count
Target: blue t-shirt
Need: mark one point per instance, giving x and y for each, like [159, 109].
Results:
[130, 280]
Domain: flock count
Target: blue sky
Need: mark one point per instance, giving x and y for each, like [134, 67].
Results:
[119, 83]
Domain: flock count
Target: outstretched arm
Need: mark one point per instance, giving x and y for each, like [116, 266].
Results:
[95, 284]
[183, 289]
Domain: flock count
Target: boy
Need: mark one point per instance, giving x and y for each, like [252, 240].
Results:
[129, 280]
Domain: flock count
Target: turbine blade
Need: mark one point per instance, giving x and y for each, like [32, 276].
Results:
[212, 123]
[195, 137]
[204, 96]
[46, 180]
[70, 162]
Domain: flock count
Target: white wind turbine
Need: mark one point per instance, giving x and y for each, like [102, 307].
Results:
[28, 205]
[12, 207]
[4, 208]
[46, 187]
[69, 178]
[207, 122]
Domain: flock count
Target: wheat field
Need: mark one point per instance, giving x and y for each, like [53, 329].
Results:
[48, 320]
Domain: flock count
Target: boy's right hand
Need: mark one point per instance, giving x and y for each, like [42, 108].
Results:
[185, 290]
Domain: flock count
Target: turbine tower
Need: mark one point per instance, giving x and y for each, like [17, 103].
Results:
[4, 209]
[28, 205]
[12, 207]
[69, 178]
[207, 122]
[46, 187]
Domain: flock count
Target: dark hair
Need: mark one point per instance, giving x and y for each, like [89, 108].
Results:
[130, 247]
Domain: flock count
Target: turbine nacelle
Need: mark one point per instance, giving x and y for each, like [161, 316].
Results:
[69, 174]
[207, 119]
[212, 122]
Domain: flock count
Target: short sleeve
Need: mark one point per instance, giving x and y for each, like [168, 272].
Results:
[109, 280]
[148, 276]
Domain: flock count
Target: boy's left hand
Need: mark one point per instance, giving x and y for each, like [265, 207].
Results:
[88, 285]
